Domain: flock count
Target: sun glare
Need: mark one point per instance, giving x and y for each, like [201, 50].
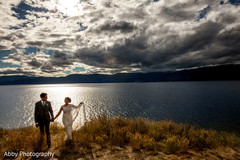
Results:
[69, 7]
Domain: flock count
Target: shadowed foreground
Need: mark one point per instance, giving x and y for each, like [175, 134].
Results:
[120, 138]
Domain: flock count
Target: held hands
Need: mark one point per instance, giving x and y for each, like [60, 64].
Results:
[52, 120]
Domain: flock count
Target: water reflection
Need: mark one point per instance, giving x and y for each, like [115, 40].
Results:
[208, 104]
[20, 101]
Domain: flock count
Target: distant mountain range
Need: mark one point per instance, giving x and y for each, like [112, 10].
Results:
[224, 72]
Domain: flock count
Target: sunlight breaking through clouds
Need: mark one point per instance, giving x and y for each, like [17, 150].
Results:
[70, 7]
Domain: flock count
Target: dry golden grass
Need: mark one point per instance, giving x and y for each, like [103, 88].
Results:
[29, 139]
[164, 136]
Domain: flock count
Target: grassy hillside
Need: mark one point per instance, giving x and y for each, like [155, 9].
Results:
[120, 138]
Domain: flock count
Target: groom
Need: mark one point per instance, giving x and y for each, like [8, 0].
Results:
[42, 117]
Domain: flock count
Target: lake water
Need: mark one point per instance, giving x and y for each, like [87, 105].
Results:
[214, 104]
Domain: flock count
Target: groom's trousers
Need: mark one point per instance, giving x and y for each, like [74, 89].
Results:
[45, 125]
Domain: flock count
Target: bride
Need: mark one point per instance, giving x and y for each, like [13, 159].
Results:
[67, 118]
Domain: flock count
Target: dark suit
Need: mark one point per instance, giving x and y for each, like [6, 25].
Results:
[42, 117]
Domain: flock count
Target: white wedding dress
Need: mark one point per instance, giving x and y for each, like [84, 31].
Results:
[69, 117]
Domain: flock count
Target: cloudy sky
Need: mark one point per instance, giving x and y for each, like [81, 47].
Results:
[62, 37]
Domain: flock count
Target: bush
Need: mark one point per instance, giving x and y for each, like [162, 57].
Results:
[101, 140]
[198, 139]
[84, 140]
[149, 143]
[118, 136]
[172, 145]
[136, 141]
[138, 125]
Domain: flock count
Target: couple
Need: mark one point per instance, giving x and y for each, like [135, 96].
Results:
[42, 117]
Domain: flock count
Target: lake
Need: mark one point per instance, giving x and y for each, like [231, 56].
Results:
[210, 104]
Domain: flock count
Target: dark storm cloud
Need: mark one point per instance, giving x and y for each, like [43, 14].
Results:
[56, 35]
[212, 47]
[60, 42]
[176, 14]
[2, 47]
[58, 62]
[48, 68]
[175, 54]
[92, 56]
[132, 51]
[230, 38]
[35, 43]
[61, 59]
[35, 63]
[204, 36]
[8, 38]
[12, 37]
[121, 26]
[52, 44]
